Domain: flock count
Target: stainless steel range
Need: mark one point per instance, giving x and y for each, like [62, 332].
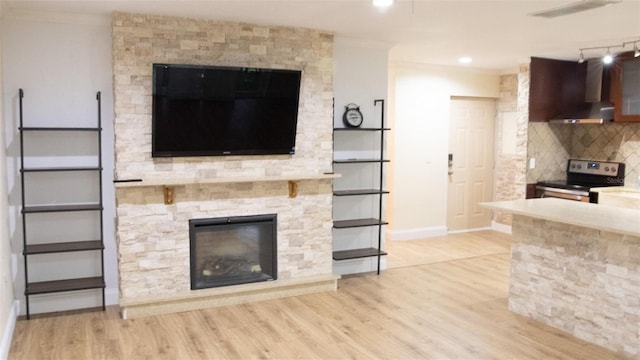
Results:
[582, 175]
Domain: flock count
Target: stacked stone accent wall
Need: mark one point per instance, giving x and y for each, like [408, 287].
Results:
[510, 170]
[141, 40]
[152, 237]
[583, 281]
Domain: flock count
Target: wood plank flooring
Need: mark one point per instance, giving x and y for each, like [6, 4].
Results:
[441, 299]
[445, 248]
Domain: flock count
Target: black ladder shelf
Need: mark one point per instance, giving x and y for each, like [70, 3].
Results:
[42, 247]
[378, 222]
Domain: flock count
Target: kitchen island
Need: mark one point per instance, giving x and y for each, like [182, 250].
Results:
[576, 266]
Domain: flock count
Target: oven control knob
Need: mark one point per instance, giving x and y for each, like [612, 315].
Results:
[573, 166]
[579, 166]
[613, 169]
[606, 168]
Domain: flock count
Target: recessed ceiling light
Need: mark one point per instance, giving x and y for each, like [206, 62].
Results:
[382, 3]
[465, 60]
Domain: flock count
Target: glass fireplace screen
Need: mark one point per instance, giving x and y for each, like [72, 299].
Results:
[232, 250]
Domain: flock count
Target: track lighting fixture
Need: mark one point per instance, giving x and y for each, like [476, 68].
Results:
[608, 57]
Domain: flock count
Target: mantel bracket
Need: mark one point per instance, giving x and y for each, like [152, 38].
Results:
[168, 195]
[293, 189]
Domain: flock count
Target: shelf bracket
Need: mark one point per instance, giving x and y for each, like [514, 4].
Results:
[293, 189]
[168, 195]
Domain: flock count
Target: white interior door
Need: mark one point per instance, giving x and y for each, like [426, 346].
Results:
[471, 148]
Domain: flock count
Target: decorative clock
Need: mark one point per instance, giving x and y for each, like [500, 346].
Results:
[352, 116]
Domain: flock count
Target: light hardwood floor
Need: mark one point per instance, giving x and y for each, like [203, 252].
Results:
[442, 298]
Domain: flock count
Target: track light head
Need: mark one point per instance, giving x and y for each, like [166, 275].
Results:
[607, 59]
[636, 51]
[581, 59]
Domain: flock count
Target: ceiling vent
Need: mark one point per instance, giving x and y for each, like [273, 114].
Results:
[573, 8]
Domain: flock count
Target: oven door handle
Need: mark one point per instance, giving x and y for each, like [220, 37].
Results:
[562, 191]
[566, 196]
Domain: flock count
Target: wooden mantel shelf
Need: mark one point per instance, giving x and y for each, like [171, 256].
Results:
[169, 183]
[178, 182]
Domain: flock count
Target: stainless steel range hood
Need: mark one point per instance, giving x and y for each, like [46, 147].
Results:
[598, 112]
[594, 110]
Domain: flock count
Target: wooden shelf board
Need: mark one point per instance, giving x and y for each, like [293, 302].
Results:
[343, 224]
[357, 253]
[178, 182]
[45, 128]
[60, 208]
[357, 161]
[361, 129]
[54, 169]
[359, 192]
[63, 247]
[45, 287]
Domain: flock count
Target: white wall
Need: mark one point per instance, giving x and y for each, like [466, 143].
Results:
[7, 309]
[60, 61]
[419, 117]
[360, 77]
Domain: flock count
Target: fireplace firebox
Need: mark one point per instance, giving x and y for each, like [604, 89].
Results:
[232, 250]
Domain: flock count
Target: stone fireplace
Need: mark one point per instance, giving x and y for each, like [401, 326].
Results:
[153, 233]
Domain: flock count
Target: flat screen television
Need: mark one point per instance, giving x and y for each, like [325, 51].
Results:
[216, 111]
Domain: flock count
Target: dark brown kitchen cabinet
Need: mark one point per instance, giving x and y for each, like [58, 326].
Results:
[625, 87]
[531, 191]
[554, 86]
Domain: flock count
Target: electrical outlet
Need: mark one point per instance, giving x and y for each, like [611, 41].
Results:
[532, 163]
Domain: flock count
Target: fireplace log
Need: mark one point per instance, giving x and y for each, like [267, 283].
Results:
[221, 266]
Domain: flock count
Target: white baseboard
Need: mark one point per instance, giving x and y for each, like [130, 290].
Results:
[414, 234]
[7, 333]
[501, 227]
[469, 230]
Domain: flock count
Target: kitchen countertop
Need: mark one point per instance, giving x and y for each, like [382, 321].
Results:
[595, 216]
[620, 196]
[634, 191]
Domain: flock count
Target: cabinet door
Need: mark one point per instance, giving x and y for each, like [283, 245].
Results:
[554, 87]
[625, 87]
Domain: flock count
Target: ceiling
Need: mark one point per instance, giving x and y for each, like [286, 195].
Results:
[498, 35]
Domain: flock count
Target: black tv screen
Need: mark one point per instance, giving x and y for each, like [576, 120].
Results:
[214, 111]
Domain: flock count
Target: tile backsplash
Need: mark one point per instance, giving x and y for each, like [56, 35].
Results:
[551, 145]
